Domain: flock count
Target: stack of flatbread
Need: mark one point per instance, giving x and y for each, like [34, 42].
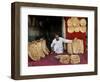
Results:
[76, 46]
[83, 25]
[37, 50]
[76, 25]
[73, 24]
[66, 59]
[70, 25]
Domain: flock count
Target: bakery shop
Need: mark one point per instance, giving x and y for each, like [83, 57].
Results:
[55, 40]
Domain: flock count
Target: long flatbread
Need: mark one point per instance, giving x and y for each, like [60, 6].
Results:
[44, 47]
[32, 52]
[69, 48]
[40, 51]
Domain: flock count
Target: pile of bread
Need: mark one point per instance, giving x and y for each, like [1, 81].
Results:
[76, 25]
[66, 59]
[37, 49]
[74, 50]
[76, 47]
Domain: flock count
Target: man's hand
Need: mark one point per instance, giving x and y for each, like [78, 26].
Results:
[70, 41]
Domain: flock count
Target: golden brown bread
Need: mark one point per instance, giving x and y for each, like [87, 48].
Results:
[75, 59]
[44, 47]
[37, 49]
[70, 29]
[76, 25]
[75, 47]
[69, 48]
[64, 59]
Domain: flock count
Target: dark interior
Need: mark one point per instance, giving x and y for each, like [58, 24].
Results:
[44, 27]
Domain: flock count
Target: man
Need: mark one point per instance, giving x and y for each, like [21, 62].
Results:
[57, 44]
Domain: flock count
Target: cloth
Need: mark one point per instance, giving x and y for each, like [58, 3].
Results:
[58, 45]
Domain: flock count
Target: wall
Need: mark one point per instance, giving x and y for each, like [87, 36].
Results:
[5, 41]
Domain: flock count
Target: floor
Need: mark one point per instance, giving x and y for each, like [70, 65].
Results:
[51, 60]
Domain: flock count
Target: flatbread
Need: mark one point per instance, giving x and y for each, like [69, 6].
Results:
[77, 46]
[75, 21]
[40, 50]
[37, 50]
[83, 29]
[83, 22]
[77, 29]
[69, 48]
[64, 59]
[81, 46]
[44, 47]
[69, 22]
[70, 29]
[32, 52]
[75, 59]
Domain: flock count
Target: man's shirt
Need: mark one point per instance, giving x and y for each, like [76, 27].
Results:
[57, 45]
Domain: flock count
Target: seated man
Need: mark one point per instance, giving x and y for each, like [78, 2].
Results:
[57, 44]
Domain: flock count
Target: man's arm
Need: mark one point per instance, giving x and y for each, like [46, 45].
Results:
[66, 40]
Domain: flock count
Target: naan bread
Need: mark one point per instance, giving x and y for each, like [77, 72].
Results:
[69, 22]
[77, 29]
[44, 47]
[75, 21]
[33, 51]
[70, 29]
[69, 48]
[37, 50]
[83, 29]
[75, 59]
[40, 50]
[81, 46]
[64, 59]
[83, 22]
[75, 47]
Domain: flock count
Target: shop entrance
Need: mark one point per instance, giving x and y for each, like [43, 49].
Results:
[44, 27]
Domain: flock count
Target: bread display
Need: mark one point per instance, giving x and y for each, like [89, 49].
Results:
[76, 25]
[75, 47]
[37, 49]
[66, 59]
